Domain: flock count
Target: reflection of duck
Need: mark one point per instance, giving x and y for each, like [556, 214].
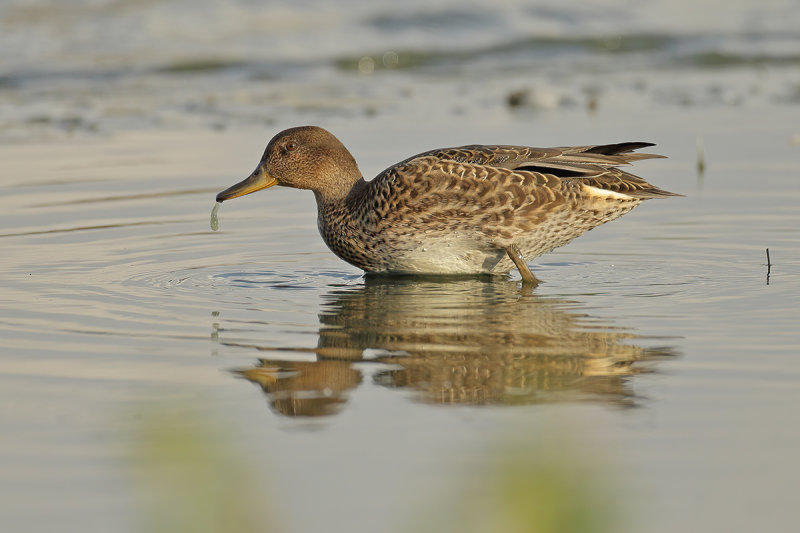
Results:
[298, 388]
[465, 341]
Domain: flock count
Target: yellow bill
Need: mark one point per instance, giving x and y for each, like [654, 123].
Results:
[256, 181]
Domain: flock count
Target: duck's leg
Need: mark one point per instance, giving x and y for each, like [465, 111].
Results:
[515, 255]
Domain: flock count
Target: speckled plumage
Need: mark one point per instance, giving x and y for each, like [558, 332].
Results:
[454, 210]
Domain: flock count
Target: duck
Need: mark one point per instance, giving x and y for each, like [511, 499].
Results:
[468, 210]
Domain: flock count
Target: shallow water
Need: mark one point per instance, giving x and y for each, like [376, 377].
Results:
[662, 340]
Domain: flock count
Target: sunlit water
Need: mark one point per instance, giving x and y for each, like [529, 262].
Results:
[662, 339]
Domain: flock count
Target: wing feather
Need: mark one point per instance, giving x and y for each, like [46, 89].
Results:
[484, 187]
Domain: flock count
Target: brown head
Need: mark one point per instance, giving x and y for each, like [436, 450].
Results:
[306, 157]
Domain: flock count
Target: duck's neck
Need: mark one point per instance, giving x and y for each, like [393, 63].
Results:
[338, 223]
[335, 215]
[332, 197]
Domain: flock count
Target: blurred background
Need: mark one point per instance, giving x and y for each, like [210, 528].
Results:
[94, 66]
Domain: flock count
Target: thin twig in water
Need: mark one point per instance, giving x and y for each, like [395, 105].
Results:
[769, 266]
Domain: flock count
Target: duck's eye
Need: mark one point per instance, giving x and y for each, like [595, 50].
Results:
[291, 146]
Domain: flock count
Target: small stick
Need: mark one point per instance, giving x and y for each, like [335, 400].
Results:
[769, 266]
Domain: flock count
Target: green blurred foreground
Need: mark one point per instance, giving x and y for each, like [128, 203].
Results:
[190, 478]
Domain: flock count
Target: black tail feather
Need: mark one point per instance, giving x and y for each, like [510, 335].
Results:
[618, 148]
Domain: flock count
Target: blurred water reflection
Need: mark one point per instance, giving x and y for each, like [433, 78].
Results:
[468, 341]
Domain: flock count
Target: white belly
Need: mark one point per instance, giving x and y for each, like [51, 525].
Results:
[450, 256]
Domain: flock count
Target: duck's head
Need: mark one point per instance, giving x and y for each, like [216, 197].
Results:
[306, 157]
